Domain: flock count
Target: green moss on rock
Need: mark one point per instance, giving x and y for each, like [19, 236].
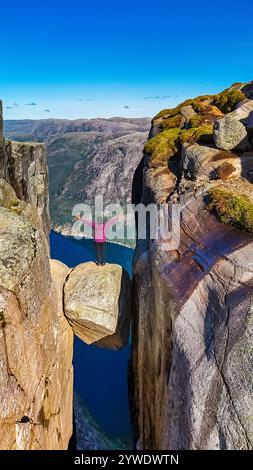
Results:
[166, 113]
[176, 129]
[172, 112]
[198, 135]
[228, 99]
[208, 115]
[171, 122]
[162, 147]
[232, 208]
[169, 143]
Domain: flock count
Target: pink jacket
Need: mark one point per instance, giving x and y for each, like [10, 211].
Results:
[99, 229]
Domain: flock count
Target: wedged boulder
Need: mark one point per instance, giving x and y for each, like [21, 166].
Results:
[230, 133]
[97, 304]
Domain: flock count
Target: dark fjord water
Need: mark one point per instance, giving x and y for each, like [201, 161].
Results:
[100, 374]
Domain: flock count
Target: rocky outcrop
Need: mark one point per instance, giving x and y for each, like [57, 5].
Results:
[97, 304]
[244, 113]
[9, 200]
[24, 166]
[202, 163]
[36, 380]
[192, 339]
[25, 169]
[36, 341]
[192, 332]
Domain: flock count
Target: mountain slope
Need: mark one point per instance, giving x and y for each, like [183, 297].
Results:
[85, 158]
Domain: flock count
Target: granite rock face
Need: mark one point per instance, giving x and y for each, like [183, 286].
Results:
[244, 112]
[97, 304]
[36, 341]
[24, 167]
[192, 303]
[193, 337]
[36, 380]
[26, 171]
[201, 163]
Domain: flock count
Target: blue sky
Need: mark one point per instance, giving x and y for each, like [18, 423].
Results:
[79, 58]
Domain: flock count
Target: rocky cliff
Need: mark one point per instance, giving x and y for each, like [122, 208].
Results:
[192, 334]
[24, 167]
[36, 339]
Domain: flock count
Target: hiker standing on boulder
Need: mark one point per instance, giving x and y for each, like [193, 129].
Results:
[99, 235]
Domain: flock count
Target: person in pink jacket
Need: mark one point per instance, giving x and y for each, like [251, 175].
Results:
[99, 235]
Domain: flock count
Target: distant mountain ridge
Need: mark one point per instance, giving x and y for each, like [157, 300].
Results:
[85, 157]
[43, 128]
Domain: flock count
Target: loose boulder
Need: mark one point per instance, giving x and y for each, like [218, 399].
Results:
[97, 304]
[230, 133]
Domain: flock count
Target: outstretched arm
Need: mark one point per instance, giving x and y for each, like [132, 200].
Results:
[115, 219]
[85, 221]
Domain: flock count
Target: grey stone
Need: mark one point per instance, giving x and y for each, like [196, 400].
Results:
[97, 304]
[230, 133]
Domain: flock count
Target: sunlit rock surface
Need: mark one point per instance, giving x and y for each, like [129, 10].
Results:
[97, 304]
[24, 166]
[230, 133]
[36, 341]
[36, 378]
[193, 311]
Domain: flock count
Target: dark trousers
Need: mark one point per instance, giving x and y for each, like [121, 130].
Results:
[100, 252]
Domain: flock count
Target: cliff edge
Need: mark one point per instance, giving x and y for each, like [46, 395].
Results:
[192, 333]
[36, 341]
[36, 338]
